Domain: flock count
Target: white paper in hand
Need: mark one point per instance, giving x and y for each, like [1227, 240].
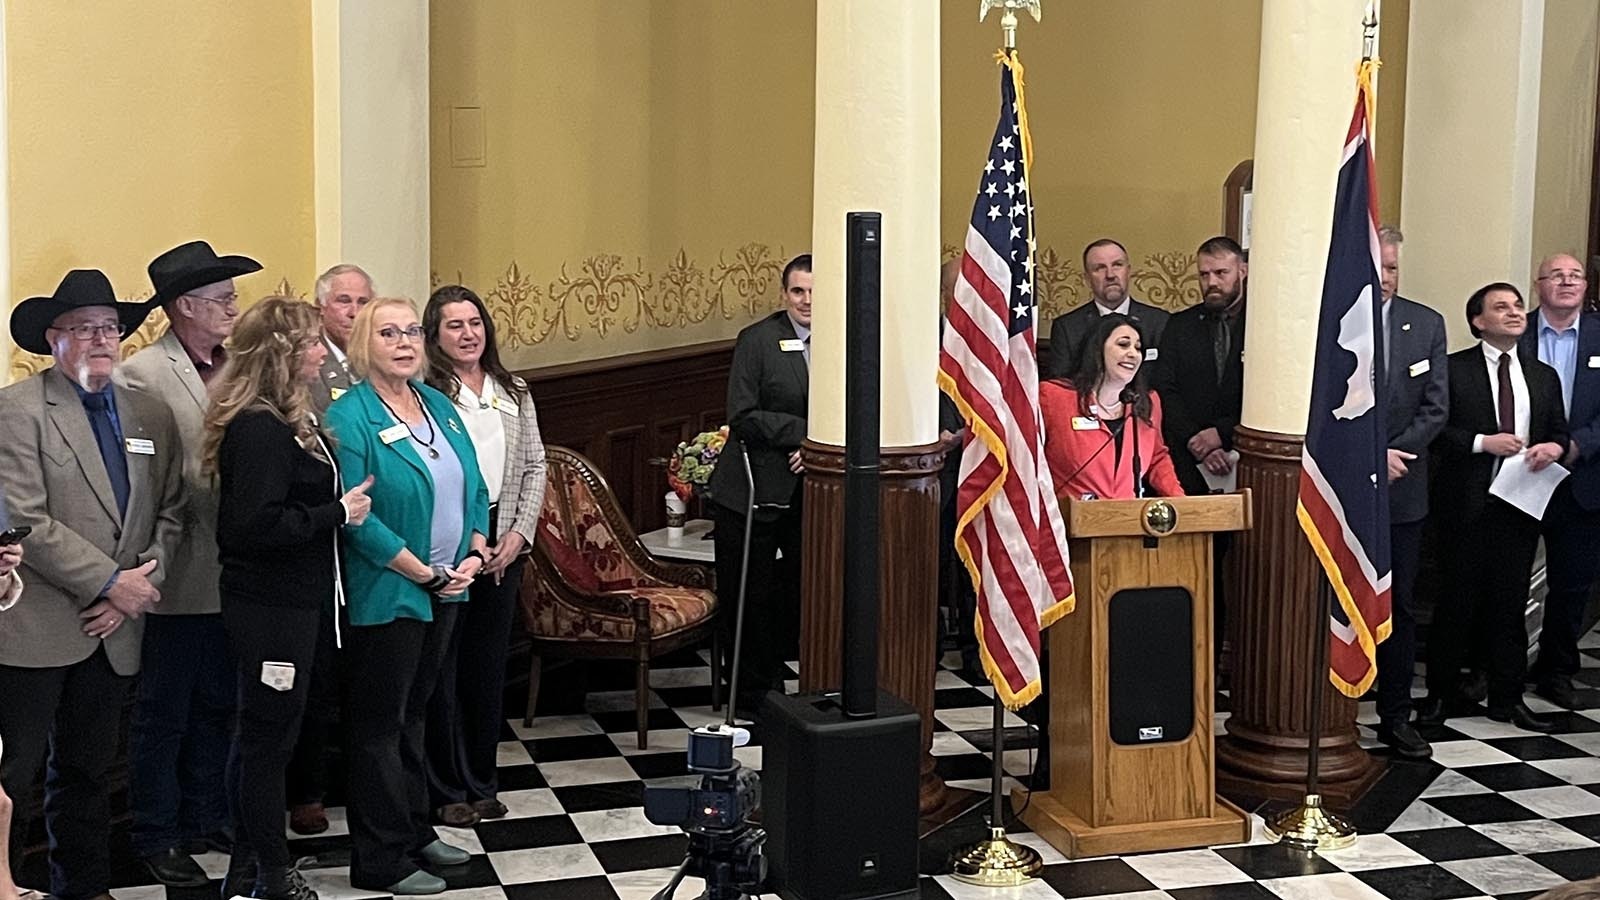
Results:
[1527, 490]
[1225, 484]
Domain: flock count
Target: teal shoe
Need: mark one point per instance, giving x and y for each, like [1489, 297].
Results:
[439, 853]
[417, 883]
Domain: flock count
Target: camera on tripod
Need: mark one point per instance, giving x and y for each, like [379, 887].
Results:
[725, 849]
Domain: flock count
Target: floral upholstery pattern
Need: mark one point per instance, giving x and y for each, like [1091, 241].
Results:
[578, 547]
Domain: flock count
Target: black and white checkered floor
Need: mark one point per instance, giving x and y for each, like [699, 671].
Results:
[1498, 813]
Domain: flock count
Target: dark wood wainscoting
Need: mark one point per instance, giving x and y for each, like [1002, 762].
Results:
[624, 411]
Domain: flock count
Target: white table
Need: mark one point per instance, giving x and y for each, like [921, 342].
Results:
[691, 547]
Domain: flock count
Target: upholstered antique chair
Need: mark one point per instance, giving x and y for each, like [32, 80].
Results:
[592, 591]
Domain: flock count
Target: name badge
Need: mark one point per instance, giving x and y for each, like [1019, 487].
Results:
[793, 345]
[1152, 354]
[336, 393]
[1594, 362]
[1085, 423]
[1419, 368]
[140, 446]
[394, 433]
[507, 407]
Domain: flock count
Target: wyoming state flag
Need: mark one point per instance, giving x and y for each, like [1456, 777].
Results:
[1344, 485]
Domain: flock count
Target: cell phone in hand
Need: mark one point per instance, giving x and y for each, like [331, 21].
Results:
[15, 535]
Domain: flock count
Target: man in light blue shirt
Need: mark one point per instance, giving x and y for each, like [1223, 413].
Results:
[1568, 339]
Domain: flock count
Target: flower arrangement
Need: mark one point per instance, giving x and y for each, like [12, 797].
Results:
[689, 469]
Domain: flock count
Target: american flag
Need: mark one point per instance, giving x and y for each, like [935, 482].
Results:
[1009, 531]
[1344, 487]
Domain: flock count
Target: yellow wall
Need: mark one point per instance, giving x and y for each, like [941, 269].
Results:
[133, 129]
[1138, 110]
[648, 167]
[1566, 129]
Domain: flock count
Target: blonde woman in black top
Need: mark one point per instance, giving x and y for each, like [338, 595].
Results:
[279, 515]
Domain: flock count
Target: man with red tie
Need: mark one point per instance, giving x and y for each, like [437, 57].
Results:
[1503, 404]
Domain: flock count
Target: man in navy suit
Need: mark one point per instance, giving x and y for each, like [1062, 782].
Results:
[1567, 339]
[1503, 404]
[1419, 400]
[1106, 272]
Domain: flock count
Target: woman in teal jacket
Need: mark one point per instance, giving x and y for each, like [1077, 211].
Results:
[407, 568]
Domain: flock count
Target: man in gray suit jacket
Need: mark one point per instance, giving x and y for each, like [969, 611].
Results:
[1419, 402]
[182, 724]
[341, 292]
[96, 471]
[1106, 272]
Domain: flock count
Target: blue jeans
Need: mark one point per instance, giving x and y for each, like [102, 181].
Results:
[182, 729]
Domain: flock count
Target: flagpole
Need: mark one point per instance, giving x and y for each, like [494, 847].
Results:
[1310, 826]
[998, 861]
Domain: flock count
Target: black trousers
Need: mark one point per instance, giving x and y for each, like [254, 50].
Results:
[772, 594]
[466, 715]
[1397, 657]
[392, 671]
[73, 715]
[1487, 564]
[269, 719]
[1572, 558]
[306, 780]
[182, 728]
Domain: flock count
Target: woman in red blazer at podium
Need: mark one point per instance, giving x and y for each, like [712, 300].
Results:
[1092, 420]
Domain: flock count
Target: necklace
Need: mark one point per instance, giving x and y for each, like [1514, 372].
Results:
[432, 435]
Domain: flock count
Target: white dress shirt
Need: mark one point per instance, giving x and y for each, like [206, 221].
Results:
[1123, 310]
[1519, 392]
[486, 427]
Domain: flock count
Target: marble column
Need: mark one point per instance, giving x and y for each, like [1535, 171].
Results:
[877, 149]
[370, 135]
[1305, 98]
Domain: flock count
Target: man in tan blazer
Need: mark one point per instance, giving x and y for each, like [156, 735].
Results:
[341, 292]
[96, 471]
[183, 718]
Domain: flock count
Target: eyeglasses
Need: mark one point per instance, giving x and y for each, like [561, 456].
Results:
[391, 335]
[225, 300]
[90, 332]
[1563, 277]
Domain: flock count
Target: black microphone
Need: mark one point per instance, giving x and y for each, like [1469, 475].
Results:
[1129, 398]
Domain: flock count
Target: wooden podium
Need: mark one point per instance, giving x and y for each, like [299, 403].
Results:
[1113, 798]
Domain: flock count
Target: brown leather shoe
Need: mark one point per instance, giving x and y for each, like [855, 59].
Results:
[490, 808]
[456, 815]
[308, 818]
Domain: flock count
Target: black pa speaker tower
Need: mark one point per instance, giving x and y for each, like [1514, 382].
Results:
[1151, 651]
[841, 771]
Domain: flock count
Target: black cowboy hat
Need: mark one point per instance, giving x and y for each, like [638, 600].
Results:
[81, 288]
[188, 266]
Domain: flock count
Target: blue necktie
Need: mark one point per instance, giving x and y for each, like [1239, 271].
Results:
[98, 406]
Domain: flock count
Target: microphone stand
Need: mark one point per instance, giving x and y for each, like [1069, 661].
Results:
[1130, 398]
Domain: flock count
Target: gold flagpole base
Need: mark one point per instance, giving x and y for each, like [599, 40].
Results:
[1311, 827]
[996, 862]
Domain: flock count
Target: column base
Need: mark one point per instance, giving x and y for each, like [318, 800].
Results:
[1273, 628]
[908, 586]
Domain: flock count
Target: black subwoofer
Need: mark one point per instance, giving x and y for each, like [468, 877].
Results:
[1152, 665]
[840, 799]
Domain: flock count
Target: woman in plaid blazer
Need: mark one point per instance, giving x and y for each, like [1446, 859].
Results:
[465, 716]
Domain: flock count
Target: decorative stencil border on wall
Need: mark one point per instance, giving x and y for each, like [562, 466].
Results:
[603, 293]
[1166, 279]
[24, 364]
